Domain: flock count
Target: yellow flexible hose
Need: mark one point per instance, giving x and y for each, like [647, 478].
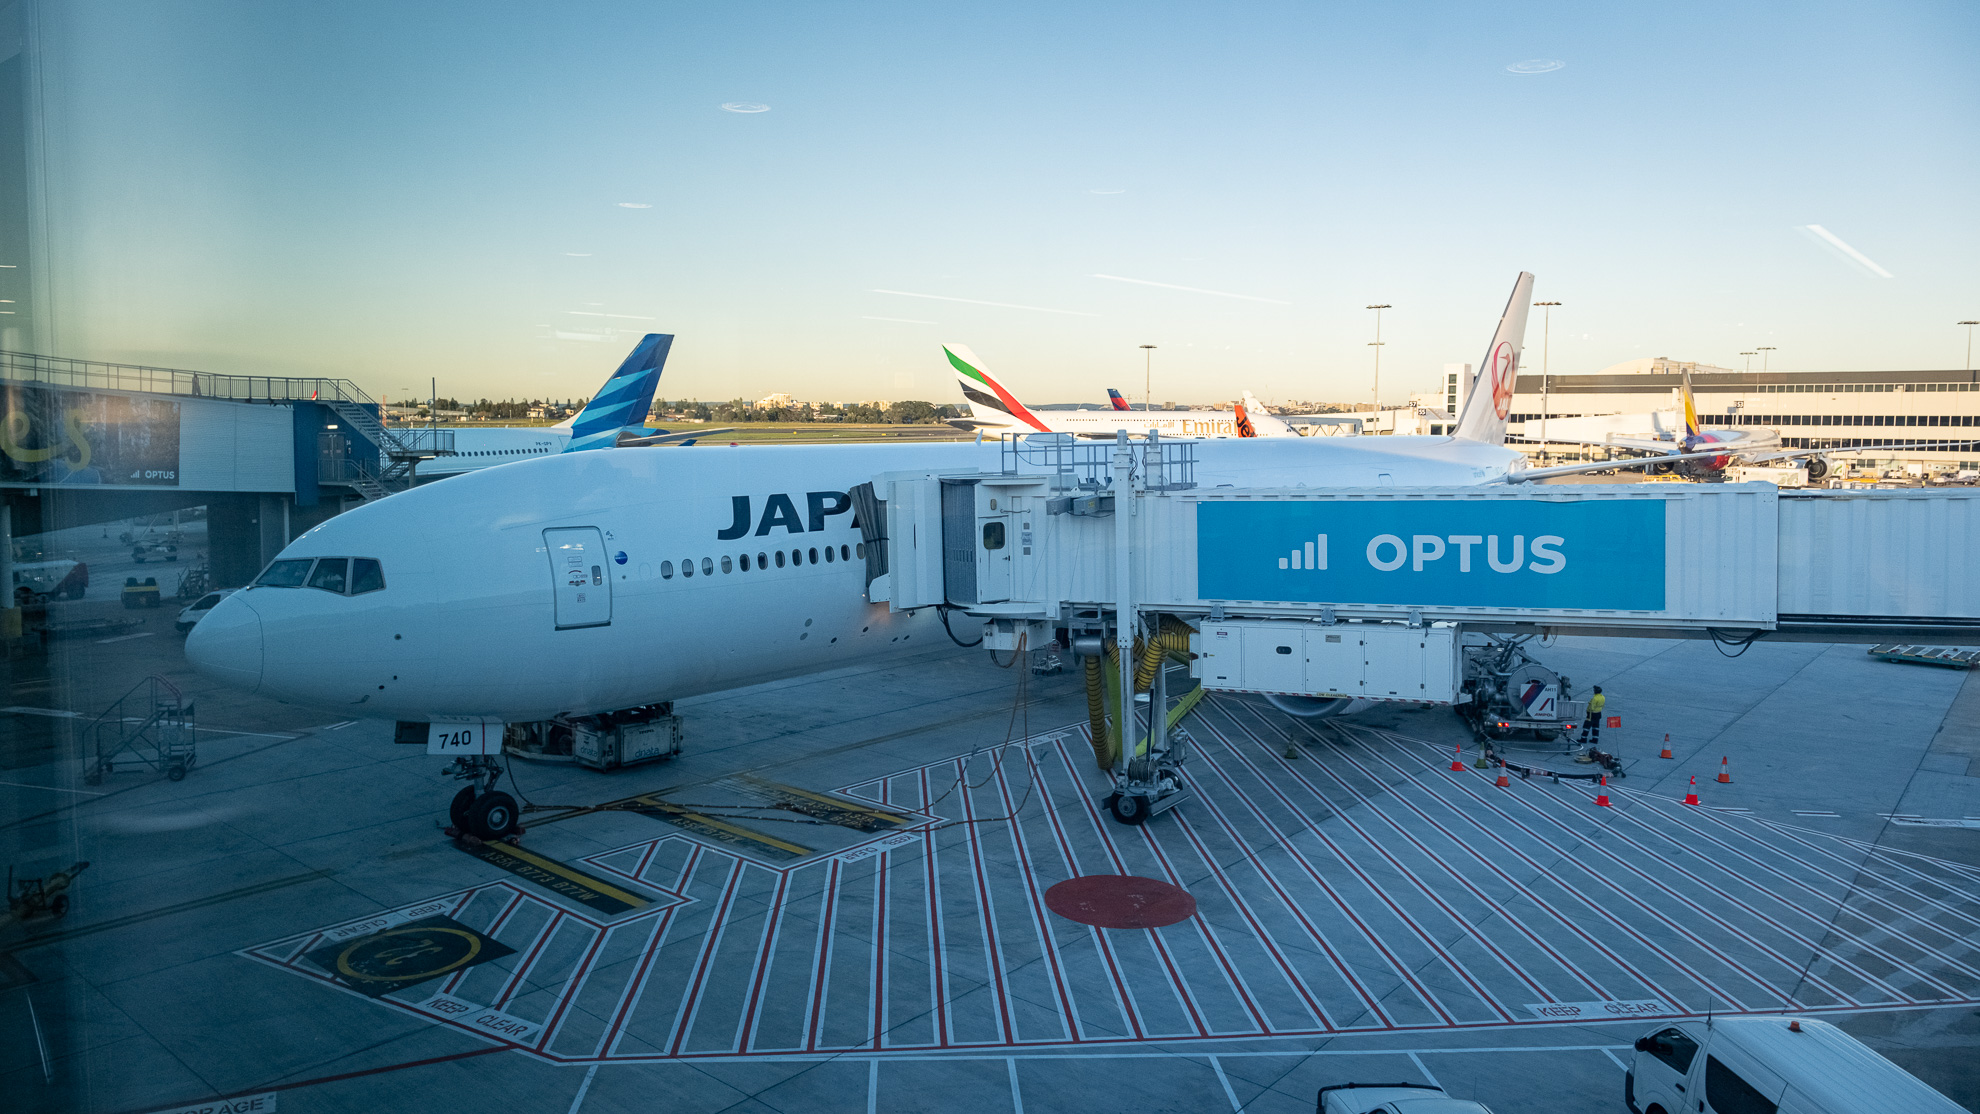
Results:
[1105, 749]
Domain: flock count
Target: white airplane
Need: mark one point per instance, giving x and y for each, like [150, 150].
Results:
[616, 415]
[582, 583]
[1671, 433]
[996, 411]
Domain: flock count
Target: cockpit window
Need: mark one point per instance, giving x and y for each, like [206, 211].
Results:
[366, 576]
[284, 574]
[331, 574]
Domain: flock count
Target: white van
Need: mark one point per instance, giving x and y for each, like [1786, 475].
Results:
[1765, 1065]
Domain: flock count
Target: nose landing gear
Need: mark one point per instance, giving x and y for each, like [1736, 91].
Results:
[479, 809]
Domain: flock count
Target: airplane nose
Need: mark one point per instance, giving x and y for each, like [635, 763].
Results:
[226, 644]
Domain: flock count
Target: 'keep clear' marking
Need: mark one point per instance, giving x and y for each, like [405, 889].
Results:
[1933, 822]
[247, 1104]
[1572, 1011]
[506, 1026]
[385, 920]
[879, 847]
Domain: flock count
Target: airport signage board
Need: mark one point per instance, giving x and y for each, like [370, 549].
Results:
[75, 438]
[1590, 554]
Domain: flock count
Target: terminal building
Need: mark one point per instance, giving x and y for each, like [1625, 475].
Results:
[1932, 416]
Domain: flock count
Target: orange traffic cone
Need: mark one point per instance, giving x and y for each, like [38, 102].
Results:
[1667, 748]
[1602, 799]
[1725, 776]
[1691, 797]
[1504, 782]
[1457, 763]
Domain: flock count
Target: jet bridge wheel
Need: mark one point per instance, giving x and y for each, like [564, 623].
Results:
[491, 816]
[1128, 809]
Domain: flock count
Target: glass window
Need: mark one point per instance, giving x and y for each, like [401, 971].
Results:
[993, 535]
[207, 601]
[331, 575]
[763, 561]
[797, 556]
[666, 570]
[859, 550]
[814, 556]
[708, 566]
[687, 567]
[366, 576]
[727, 565]
[1729, 1094]
[1673, 1048]
[845, 553]
[285, 574]
[744, 562]
[828, 555]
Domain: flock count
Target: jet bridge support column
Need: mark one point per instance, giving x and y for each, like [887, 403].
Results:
[1145, 780]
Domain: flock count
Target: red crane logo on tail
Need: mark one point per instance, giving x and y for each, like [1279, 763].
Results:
[1504, 371]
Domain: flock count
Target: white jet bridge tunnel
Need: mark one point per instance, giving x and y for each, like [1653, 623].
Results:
[1338, 594]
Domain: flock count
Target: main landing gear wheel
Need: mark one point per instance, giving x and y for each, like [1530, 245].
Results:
[492, 815]
[458, 811]
[1128, 809]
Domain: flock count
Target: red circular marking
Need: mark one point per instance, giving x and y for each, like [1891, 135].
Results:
[1120, 901]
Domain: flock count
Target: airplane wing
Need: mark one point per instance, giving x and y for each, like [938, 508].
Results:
[627, 440]
[1532, 474]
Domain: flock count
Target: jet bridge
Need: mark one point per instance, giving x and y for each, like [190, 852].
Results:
[1334, 595]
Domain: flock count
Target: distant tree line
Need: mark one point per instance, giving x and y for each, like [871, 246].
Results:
[508, 409]
[741, 410]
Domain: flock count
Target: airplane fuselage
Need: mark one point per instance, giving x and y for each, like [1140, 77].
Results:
[480, 612]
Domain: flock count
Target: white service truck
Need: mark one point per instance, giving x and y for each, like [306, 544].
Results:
[1770, 1065]
[1393, 1098]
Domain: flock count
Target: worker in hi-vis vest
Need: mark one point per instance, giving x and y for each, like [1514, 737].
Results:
[1591, 727]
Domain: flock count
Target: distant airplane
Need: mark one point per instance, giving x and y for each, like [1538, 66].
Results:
[1674, 432]
[616, 415]
[994, 410]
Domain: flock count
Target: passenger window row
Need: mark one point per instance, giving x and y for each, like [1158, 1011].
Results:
[346, 576]
[763, 561]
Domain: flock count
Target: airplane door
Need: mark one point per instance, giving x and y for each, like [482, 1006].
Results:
[578, 576]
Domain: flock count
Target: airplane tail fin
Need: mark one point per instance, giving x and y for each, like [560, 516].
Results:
[625, 399]
[1114, 397]
[1691, 426]
[1253, 416]
[1489, 401]
[992, 408]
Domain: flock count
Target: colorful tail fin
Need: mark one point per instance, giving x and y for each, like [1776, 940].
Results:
[1120, 403]
[1490, 399]
[625, 399]
[1262, 423]
[1691, 426]
[992, 408]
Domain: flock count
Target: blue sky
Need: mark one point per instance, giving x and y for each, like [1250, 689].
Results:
[395, 192]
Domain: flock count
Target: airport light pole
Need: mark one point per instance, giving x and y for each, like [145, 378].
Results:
[1546, 335]
[1764, 350]
[1748, 369]
[1970, 377]
[1147, 378]
[1376, 344]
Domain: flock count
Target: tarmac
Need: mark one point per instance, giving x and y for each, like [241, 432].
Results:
[834, 899]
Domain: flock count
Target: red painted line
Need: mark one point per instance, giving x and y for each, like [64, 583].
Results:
[986, 910]
[821, 976]
[1123, 996]
[1429, 893]
[522, 970]
[938, 959]
[1878, 853]
[634, 989]
[1041, 923]
[773, 919]
[1382, 896]
[341, 1076]
[1258, 929]
[1155, 941]
[711, 939]
[1211, 944]
[501, 918]
[1827, 923]
[881, 875]
[1567, 965]
[1602, 880]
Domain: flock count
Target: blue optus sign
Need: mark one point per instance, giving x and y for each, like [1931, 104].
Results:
[1603, 554]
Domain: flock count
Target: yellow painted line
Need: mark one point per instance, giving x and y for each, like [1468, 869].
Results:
[732, 829]
[569, 875]
[835, 802]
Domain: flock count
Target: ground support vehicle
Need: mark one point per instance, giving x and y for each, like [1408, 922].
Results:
[1737, 1065]
[1393, 1098]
